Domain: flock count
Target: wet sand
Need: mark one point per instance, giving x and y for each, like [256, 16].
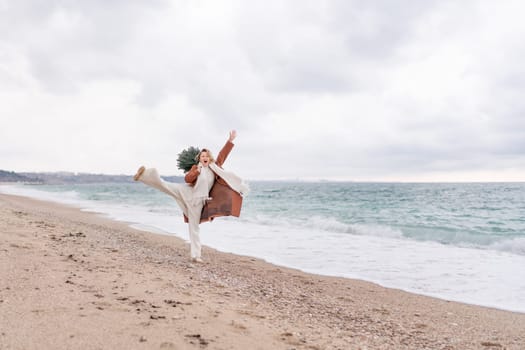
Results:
[75, 280]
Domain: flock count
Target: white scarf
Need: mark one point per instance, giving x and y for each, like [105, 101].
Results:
[201, 189]
[235, 182]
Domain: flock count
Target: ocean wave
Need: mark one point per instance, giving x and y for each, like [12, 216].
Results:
[329, 224]
[332, 224]
[440, 235]
[513, 245]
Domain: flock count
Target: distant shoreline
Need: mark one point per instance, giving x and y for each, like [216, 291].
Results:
[64, 178]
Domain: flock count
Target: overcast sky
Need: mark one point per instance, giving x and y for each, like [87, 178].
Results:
[345, 90]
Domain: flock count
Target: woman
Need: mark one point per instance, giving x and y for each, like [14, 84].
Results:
[209, 191]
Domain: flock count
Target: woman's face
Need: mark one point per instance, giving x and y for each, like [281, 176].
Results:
[204, 158]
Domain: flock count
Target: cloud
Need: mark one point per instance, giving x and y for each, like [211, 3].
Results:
[339, 89]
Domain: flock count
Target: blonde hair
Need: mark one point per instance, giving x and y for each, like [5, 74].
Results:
[198, 157]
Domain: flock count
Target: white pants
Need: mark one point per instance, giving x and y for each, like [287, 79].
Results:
[182, 194]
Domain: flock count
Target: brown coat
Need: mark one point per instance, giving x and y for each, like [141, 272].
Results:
[225, 201]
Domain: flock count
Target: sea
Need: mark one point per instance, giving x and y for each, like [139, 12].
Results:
[455, 241]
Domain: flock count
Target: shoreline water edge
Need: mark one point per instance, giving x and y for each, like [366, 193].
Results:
[72, 279]
[446, 250]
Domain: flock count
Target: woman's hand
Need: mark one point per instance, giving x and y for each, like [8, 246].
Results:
[233, 135]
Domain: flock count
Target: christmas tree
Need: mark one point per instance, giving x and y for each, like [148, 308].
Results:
[187, 158]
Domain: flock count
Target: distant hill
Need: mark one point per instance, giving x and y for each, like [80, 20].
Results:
[58, 178]
[11, 176]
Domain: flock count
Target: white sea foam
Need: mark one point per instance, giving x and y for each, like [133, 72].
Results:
[328, 224]
[513, 245]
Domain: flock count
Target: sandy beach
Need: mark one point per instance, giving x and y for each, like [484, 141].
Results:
[75, 280]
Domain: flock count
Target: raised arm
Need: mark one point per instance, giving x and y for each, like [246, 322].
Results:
[226, 149]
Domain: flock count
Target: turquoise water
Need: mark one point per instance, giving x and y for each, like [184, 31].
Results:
[463, 242]
[477, 214]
